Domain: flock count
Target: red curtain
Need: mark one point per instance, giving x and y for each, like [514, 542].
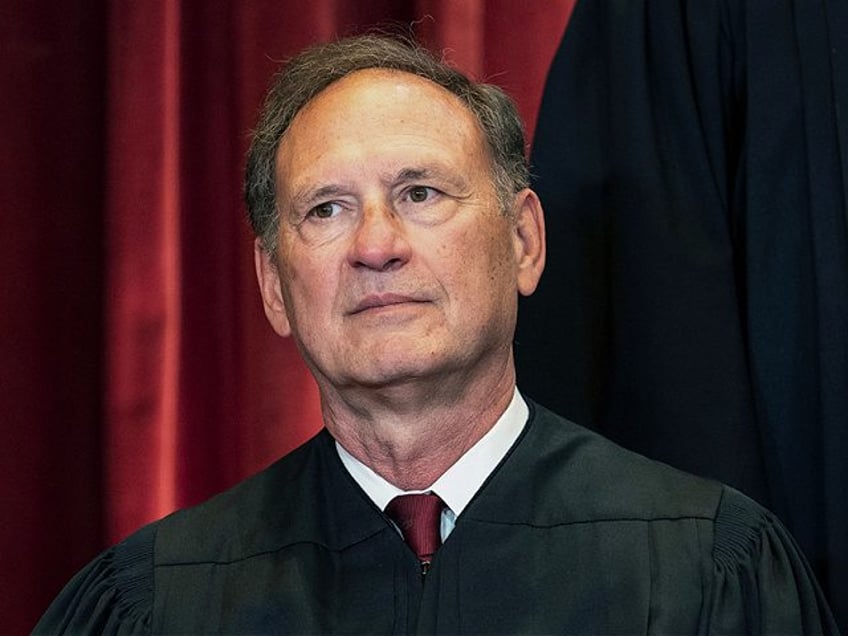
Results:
[138, 374]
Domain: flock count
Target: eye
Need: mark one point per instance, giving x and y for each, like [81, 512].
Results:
[325, 210]
[419, 194]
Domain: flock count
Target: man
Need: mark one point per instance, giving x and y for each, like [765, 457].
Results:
[395, 233]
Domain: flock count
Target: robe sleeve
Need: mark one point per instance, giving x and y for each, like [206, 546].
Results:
[762, 583]
[112, 595]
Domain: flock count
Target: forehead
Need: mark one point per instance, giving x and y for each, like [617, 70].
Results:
[374, 103]
[379, 89]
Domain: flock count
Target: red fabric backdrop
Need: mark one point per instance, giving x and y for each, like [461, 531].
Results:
[137, 372]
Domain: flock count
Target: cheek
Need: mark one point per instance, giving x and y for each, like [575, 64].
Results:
[305, 287]
[498, 247]
[479, 273]
[313, 293]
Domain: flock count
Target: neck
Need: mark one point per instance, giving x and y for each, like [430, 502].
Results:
[410, 434]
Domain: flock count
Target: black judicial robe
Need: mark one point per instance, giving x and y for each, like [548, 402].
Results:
[570, 534]
[692, 160]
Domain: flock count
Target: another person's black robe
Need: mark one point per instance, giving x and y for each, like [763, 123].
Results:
[692, 160]
[570, 534]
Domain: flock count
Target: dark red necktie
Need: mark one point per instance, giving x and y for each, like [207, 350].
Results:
[419, 519]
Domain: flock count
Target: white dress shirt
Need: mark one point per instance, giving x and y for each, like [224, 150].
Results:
[463, 479]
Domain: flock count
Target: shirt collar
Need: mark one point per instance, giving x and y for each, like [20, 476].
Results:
[463, 479]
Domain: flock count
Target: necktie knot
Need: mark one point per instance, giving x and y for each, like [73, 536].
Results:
[419, 519]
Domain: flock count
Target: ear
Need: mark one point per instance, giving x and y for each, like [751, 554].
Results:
[268, 276]
[528, 240]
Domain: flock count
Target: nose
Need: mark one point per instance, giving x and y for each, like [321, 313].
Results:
[380, 241]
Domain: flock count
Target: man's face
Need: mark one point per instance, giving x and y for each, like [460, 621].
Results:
[395, 261]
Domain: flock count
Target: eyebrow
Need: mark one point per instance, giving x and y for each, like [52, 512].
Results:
[307, 197]
[425, 173]
[411, 174]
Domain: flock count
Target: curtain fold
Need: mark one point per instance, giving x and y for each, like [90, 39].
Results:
[138, 373]
[143, 274]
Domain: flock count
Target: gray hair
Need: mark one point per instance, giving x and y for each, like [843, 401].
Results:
[316, 68]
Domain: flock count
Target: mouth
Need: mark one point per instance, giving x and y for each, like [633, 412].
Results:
[375, 302]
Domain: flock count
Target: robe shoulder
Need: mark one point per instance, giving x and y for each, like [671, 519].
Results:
[754, 578]
[761, 582]
[115, 592]
[570, 474]
[112, 595]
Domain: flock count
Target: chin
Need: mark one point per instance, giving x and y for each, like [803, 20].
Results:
[384, 372]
